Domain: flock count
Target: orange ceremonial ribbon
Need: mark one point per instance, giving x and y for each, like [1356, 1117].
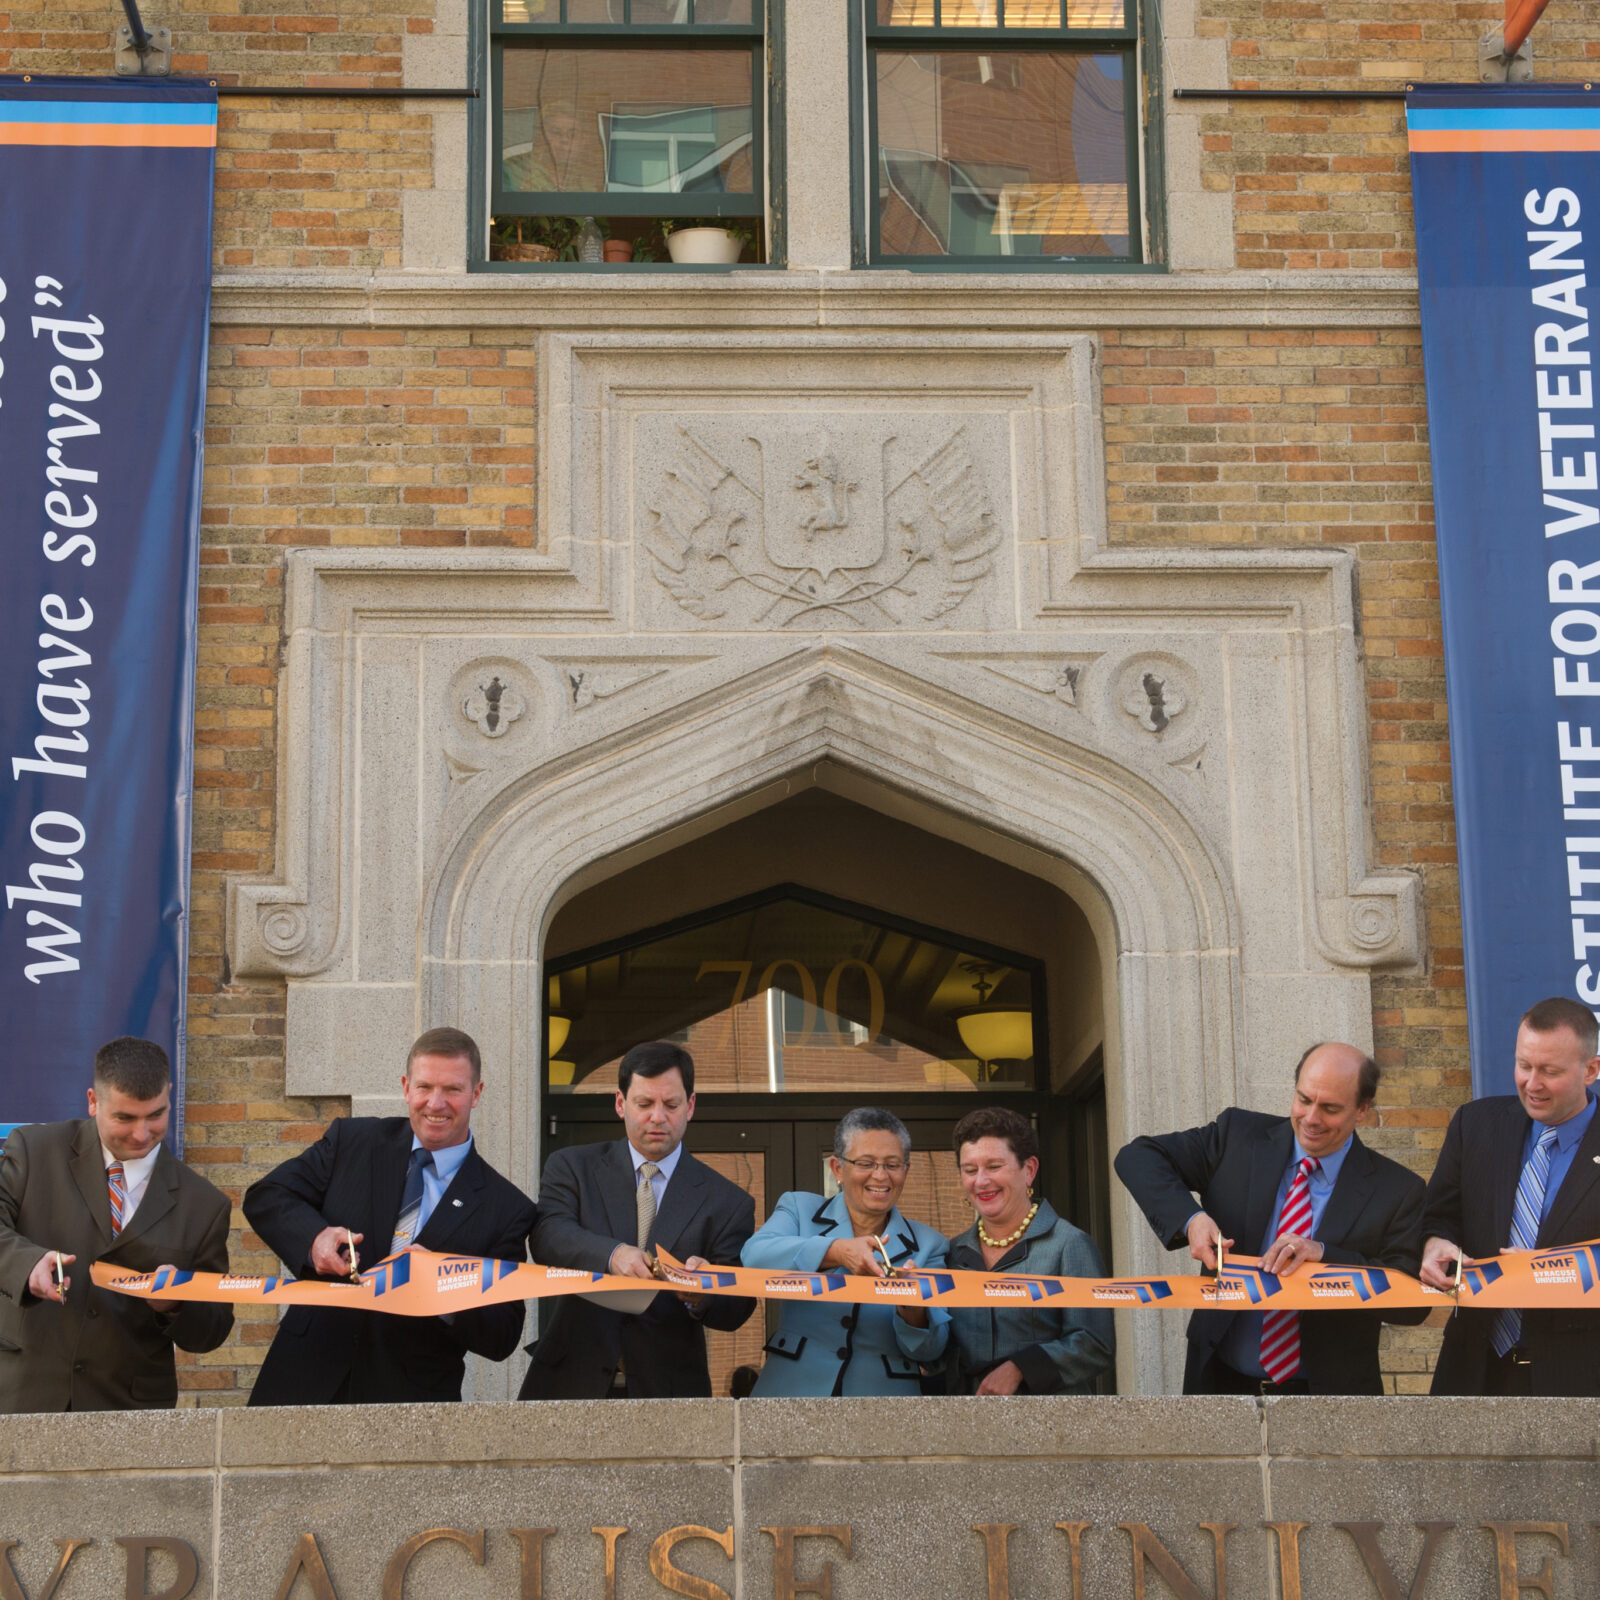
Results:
[419, 1283]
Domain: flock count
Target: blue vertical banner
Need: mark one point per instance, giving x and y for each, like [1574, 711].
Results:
[105, 287]
[1507, 198]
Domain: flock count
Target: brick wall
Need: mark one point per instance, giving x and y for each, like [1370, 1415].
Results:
[314, 437]
[300, 183]
[1303, 437]
[1326, 184]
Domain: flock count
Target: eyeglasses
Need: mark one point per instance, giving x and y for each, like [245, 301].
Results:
[867, 1167]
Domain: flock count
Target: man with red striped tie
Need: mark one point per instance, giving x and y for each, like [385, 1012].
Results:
[1294, 1190]
[103, 1188]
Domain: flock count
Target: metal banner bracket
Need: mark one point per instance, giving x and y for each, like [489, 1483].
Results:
[1495, 67]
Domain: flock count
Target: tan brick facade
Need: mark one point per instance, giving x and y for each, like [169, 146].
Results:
[424, 437]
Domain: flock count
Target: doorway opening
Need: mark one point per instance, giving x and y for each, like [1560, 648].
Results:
[876, 964]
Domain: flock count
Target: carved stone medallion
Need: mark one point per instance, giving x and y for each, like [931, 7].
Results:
[820, 521]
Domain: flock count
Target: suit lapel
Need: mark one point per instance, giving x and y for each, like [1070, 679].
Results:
[160, 1196]
[1351, 1192]
[390, 1161]
[1581, 1178]
[1505, 1169]
[831, 1215]
[458, 1203]
[681, 1201]
[617, 1192]
[89, 1173]
[1266, 1172]
[900, 1237]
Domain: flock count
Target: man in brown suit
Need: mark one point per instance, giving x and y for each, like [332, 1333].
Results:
[103, 1189]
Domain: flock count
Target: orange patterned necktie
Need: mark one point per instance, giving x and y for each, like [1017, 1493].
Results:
[117, 1188]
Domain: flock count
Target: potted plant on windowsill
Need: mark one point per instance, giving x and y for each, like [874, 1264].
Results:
[705, 241]
[542, 238]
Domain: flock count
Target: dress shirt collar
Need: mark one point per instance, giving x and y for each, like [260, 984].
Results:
[667, 1164]
[135, 1174]
[1569, 1133]
[447, 1162]
[1329, 1171]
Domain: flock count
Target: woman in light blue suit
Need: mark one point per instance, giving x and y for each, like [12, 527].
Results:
[824, 1348]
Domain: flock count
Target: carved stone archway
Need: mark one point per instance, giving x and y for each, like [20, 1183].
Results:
[1175, 738]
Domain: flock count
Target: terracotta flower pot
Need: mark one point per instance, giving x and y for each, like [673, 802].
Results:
[618, 250]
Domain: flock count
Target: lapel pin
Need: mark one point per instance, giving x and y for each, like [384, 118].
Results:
[457, 1202]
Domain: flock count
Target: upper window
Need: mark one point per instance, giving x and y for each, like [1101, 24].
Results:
[1002, 131]
[630, 115]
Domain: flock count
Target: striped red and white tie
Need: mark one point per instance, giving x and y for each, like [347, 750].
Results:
[117, 1188]
[1280, 1330]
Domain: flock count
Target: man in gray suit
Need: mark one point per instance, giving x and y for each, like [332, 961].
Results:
[602, 1208]
[104, 1188]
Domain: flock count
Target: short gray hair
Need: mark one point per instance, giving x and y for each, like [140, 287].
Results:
[869, 1119]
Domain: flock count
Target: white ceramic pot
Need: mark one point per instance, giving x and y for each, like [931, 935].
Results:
[703, 246]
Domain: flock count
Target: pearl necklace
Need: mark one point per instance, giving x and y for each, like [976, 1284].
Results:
[1010, 1238]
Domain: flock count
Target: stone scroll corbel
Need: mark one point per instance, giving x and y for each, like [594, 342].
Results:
[1378, 924]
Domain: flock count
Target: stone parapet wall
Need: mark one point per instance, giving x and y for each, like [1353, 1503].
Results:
[1019, 1499]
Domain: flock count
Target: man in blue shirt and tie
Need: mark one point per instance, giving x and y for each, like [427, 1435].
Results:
[1296, 1191]
[1521, 1172]
[379, 1184]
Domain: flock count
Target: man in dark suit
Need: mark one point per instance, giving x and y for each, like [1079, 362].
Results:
[1521, 1172]
[601, 1207]
[103, 1189]
[1295, 1190]
[383, 1183]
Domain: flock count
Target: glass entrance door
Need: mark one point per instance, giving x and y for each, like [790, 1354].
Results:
[797, 1008]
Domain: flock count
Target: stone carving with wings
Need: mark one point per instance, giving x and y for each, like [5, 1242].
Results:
[818, 528]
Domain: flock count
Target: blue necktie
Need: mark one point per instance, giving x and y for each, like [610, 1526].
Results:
[1525, 1218]
[409, 1224]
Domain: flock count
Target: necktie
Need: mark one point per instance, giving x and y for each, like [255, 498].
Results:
[1280, 1330]
[1526, 1214]
[410, 1221]
[117, 1188]
[645, 1200]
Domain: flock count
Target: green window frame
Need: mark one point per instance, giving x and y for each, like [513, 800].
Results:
[678, 137]
[947, 27]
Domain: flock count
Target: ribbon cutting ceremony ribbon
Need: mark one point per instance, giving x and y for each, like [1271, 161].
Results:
[419, 1283]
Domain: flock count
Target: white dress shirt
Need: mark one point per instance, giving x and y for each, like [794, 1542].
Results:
[135, 1178]
[667, 1164]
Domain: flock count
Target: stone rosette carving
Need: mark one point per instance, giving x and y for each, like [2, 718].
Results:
[283, 929]
[871, 521]
[1154, 696]
[491, 698]
[1371, 922]
[493, 706]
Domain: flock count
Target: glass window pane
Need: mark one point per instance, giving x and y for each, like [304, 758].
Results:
[970, 14]
[1001, 154]
[531, 10]
[793, 997]
[1095, 14]
[627, 121]
[603, 11]
[656, 12]
[906, 13]
[1036, 13]
[724, 13]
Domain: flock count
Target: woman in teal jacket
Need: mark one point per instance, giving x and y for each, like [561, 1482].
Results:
[827, 1348]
